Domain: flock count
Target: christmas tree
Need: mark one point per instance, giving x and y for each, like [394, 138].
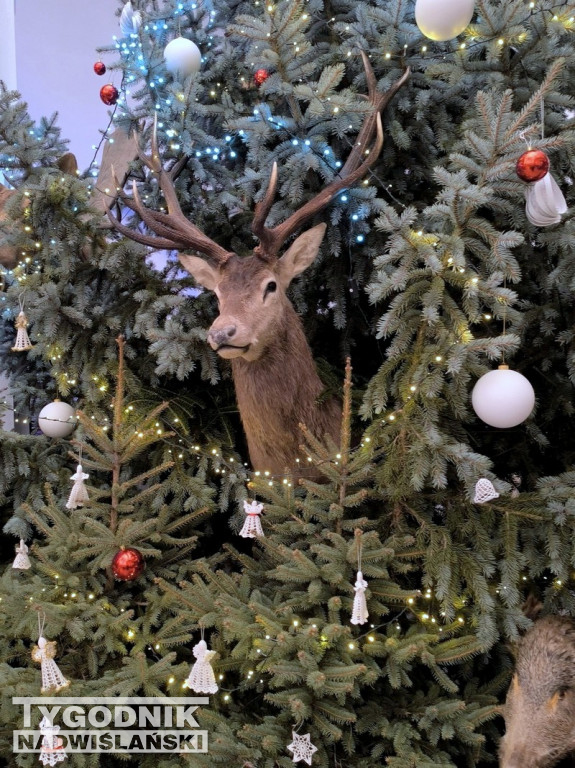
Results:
[357, 563]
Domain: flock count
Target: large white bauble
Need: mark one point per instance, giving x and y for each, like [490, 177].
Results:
[57, 419]
[182, 56]
[503, 398]
[443, 19]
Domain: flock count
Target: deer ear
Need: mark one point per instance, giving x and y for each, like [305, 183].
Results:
[300, 254]
[202, 272]
[68, 163]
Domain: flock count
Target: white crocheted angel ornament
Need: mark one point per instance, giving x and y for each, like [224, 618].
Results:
[201, 678]
[52, 679]
[79, 493]
[52, 750]
[21, 561]
[252, 527]
[359, 613]
[22, 342]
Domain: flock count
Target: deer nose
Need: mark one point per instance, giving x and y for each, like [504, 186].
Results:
[222, 335]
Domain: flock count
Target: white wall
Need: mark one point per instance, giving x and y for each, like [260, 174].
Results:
[55, 52]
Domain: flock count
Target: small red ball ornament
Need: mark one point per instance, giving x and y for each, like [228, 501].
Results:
[533, 165]
[109, 94]
[100, 68]
[128, 564]
[261, 76]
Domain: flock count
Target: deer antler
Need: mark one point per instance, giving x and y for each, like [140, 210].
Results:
[174, 230]
[271, 240]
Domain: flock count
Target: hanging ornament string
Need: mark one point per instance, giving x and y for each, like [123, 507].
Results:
[504, 320]
[41, 622]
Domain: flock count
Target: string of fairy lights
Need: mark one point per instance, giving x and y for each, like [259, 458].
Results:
[562, 13]
[417, 607]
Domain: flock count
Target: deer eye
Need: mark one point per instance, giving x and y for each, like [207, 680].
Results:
[563, 691]
[271, 287]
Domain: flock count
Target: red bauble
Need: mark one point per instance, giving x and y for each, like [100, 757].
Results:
[128, 564]
[532, 165]
[261, 76]
[109, 94]
[100, 68]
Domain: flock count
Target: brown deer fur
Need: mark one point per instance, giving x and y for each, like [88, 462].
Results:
[277, 385]
[278, 392]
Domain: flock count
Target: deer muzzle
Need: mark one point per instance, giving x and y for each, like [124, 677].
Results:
[222, 341]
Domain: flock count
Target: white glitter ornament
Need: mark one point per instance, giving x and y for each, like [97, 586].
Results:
[22, 343]
[52, 679]
[21, 561]
[359, 613]
[201, 678]
[302, 748]
[252, 527]
[79, 493]
[52, 750]
[484, 491]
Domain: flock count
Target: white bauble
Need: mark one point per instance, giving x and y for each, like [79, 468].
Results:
[443, 19]
[182, 56]
[503, 398]
[57, 419]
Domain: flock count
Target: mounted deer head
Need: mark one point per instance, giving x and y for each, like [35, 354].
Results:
[276, 382]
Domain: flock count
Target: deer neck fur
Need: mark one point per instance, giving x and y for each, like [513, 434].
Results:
[278, 392]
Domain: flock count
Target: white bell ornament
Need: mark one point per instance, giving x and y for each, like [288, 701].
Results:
[484, 491]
